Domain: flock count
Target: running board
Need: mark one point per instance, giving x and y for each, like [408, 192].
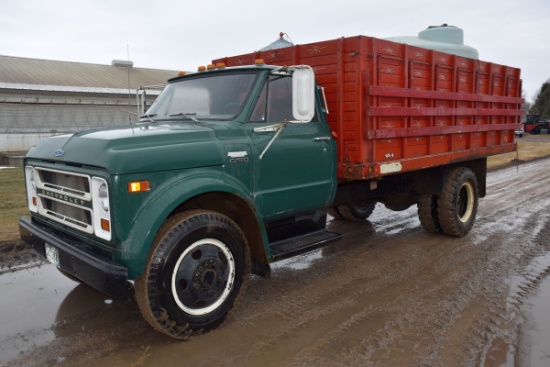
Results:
[298, 245]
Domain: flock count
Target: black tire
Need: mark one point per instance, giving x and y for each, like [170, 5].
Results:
[355, 212]
[197, 272]
[457, 204]
[427, 213]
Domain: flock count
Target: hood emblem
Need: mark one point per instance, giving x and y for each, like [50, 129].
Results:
[58, 153]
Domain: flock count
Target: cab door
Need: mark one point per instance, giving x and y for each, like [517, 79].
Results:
[297, 173]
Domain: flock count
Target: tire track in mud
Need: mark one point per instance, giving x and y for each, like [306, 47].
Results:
[368, 313]
[325, 309]
[523, 192]
[523, 286]
[313, 305]
[493, 336]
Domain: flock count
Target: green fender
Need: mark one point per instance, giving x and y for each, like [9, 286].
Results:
[134, 248]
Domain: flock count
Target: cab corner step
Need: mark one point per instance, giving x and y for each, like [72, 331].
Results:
[297, 245]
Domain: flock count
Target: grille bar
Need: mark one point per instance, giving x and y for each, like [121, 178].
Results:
[65, 189]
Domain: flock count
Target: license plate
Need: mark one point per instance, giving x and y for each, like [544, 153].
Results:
[52, 255]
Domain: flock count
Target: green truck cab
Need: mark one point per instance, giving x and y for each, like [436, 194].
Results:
[229, 170]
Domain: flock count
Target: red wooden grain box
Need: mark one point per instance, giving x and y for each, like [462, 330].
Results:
[396, 108]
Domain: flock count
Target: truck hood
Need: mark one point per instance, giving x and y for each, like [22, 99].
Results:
[135, 148]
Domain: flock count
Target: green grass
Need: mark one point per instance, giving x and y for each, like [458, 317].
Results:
[13, 202]
[527, 151]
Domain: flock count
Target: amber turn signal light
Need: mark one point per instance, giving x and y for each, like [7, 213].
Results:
[138, 186]
[105, 225]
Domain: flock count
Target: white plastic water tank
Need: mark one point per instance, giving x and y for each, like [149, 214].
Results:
[444, 38]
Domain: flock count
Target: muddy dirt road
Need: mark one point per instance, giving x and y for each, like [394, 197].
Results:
[388, 294]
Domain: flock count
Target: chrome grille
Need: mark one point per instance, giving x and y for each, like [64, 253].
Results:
[65, 197]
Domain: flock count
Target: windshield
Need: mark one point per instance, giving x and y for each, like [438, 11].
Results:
[216, 96]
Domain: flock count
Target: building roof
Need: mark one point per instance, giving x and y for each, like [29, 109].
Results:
[68, 89]
[18, 70]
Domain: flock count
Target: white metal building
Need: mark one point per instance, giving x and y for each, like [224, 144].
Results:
[40, 98]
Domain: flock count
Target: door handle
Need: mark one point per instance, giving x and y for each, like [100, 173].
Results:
[321, 138]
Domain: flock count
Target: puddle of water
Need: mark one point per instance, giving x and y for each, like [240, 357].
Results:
[299, 262]
[530, 297]
[539, 334]
[30, 303]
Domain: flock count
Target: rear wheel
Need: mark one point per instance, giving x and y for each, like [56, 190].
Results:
[427, 213]
[457, 204]
[354, 212]
[197, 272]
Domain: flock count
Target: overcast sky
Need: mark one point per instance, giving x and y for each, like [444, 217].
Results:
[181, 35]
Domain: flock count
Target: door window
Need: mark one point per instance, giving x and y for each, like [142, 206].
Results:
[275, 102]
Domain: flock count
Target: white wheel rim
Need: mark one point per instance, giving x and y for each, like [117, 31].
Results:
[469, 209]
[227, 289]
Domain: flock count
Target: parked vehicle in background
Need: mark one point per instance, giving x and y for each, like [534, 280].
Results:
[519, 132]
[535, 125]
[237, 165]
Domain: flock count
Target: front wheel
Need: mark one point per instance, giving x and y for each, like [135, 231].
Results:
[197, 272]
[457, 204]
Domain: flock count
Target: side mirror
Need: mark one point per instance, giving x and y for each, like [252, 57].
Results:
[303, 94]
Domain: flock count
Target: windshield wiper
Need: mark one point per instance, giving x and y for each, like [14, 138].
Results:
[149, 117]
[187, 115]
